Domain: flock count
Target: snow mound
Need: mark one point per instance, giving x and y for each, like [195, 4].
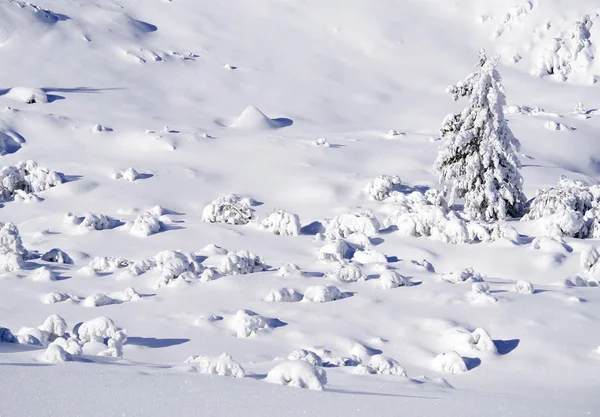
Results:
[56, 354]
[231, 209]
[524, 287]
[27, 95]
[54, 325]
[28, 177]
[91, 221]
[6, 336]
[305, 355]
[343, 225]
[369, 256]
[129, 175]
[223, 365]
[467, 274]
[108, 264]
[246, 323]
[391, 279]
[346, 273]
[299, 374]
[253, 119]
[282, 223]
[288, 269]
[98, 300]
[241, 262]
[322, 293]
[283, 295]
[463, 340]
[96, 330]
[55, 297]
[43, 274]
[450, 363]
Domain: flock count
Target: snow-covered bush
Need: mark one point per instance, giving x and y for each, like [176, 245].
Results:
[28, 177]
[322, 293]
[467, 274]
[108, 263]
[98, 300]
[477, 158]
[288, 269]
[282, 223]
[55, 297]
[369, 256]
[223, 365]
[54, 325]
[56, 354]
[57, 256]
[450, 363]
[570, 53]
[283, 295]
[346, 273]
[524, 287]
[568, 209]
[91, 221]
[343, 225]
[391, 279]
[97, 330]
[146, 224]
[241, 262]
[300, 374]
[231, 209]
[305, 355]
[382, 187]
[246, 323]
[11, 248]
[383, 365]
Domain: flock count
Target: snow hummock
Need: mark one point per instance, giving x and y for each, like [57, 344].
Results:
[283, 295]
[231, 209]
[305, 355]
[27, 95]
[223, 365]
[450, 363]
[254, 119]
[282, 223]
[299, 374]
[246, 323]
[322, 293]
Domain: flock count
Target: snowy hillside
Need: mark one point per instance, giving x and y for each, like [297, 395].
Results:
[201, 201]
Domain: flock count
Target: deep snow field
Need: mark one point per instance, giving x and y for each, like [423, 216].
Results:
[288, 104]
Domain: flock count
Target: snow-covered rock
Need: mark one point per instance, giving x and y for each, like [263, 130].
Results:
[343, 225]
[246, 323]
[146, 224]
[300, 374]
[223, 365]
[391, 279]
[463, 340]
[57, 256]
[381, 364]
[305, 355]
[369, 256]
[288, 269]
[336, 251]
[283, 295]
[27, 95]
[524, 287]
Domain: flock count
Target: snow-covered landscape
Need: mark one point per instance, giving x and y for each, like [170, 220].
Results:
[300, 207]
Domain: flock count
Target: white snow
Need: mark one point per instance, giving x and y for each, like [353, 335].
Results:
[299, 374]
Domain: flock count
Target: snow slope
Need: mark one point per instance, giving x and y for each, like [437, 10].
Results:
[205, 99]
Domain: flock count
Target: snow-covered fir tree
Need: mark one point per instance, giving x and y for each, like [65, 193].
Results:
[477, 159]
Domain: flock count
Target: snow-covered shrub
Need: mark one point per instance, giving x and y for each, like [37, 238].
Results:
[346, 273]
[467, 274]
[282, 223]
[570, 53]
[359, 241]
[246, 323]
[223, 365]
[305, 355]
[368, 256]
[91, 221]
[57, 256]
[11, 248]
[115, 345]
[391, 279]
[343, 225]
[336, 251]
[464, 340]
[231, 209]
[382, 187]
[97, 300]
[97, 330]
[300, 374]
[241, 262]
[450, 363]
[108, 263]
[55, 297]
[383, 365]
[524, 287]
[288, 269]
[71, 345]
[477, 158]
[283, 295]
[28, 177]
[55, 325]
[322, 293]
[174, 266]
[146, 224]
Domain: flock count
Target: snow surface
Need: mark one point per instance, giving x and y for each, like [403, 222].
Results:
[319, 122]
